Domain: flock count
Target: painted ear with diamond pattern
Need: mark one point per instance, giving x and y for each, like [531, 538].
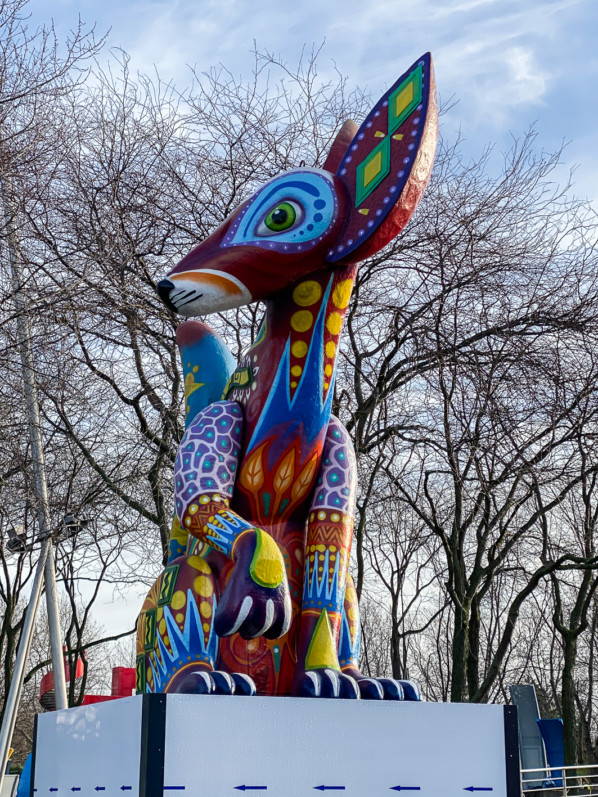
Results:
[387, 165]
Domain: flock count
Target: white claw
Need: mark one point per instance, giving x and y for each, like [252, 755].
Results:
[206, 678]
[315, 680]
[288, 616]
[269, 618]
[376, 684]
[336, 684]
[241, 676]
[229, 680]
[242, 616]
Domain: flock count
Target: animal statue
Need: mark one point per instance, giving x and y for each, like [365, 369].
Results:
[256, 594]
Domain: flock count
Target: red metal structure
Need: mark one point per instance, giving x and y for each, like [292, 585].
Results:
[123, 685]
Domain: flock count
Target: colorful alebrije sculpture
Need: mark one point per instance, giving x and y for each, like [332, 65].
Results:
[256, 593]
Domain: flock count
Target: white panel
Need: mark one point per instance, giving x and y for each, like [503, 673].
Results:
[214, 744]
[90, 750]
[9, 785]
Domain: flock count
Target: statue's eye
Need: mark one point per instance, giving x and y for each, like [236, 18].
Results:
[282, 217]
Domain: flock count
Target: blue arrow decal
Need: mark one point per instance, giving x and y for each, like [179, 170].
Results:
[329, 788]
[478, 788]
[405, 788]
[54, 788]
[126, 788]
[250, 788]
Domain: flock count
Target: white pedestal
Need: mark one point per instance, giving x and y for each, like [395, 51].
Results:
[200, 746]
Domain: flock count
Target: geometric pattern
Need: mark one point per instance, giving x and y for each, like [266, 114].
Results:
[337, 481]
[349, 646]
[321, 587]
[330, 525]
[208, 455]
[140, 674]
[168, 584]
[164, 663]
[223, 528]
[372, 171]
[350, 632]
[404, 100]
[149, 636]
[376, 165]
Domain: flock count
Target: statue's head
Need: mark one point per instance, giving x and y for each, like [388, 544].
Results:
[306, 220]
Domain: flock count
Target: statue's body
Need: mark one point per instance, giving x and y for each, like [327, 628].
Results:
[256, 590]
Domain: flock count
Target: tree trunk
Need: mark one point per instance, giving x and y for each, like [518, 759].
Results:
[568, 699]
[395, 643]
[473, 652]
[460, 652]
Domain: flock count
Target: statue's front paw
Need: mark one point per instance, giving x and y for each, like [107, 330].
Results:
[213, 682]
[380, 689]
[326, 683]
[384, 688]
[256, 600]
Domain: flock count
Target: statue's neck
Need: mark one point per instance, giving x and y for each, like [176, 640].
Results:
[303, 325]
[293, 361]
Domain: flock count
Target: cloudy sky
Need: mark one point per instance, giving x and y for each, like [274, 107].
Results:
[510, 63]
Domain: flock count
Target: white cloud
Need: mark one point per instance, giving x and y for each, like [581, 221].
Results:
[509, 62]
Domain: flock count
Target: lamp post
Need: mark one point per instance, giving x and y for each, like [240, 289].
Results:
[44, 572]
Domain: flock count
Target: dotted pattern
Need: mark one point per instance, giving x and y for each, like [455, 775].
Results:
[337, 483]
[323, 587]
[208, 455]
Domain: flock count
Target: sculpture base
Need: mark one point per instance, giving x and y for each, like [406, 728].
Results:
[213, 746]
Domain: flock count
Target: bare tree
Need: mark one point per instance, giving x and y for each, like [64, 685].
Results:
[460, 351]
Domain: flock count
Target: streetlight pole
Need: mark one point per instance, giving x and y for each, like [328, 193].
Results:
[45, 566]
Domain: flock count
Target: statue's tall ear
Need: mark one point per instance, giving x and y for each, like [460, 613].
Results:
[388, 163]
[340, 145]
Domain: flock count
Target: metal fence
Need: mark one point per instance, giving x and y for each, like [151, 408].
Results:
[562, 782]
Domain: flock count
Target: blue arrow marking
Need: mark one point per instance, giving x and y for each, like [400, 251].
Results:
[54, 788]
[329, 788]
[250, 788]
[126, 788]
[478, 788]
[76, 788]
[405, 788]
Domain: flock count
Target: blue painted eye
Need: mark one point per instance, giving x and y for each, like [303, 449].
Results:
[291, 213]
[282, 217]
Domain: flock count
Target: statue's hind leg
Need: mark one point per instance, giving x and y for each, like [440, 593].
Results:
[327, 551]
[328, 648]
[176, 642]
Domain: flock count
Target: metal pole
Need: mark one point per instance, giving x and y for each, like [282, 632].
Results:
[46, 562]
[55, 630]
[11, 706]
